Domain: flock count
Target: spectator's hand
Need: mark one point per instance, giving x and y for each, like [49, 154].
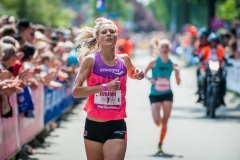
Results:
[4, 74]
[37, 62]
[48, 77]
[13, 85]
[57, 64]
[5, 83]
[62, 74]
[20, 55]
[55, 84]
[71, 69]
[33, 83]
[25, 74]
[37, 70]
[53, 71]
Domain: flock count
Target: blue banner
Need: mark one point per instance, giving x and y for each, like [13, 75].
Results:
[57, 101]
[24, 100]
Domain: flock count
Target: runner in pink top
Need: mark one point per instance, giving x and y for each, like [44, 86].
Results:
[107, 105]
[105, 132]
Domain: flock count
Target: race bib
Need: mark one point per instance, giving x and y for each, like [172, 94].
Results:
[108, 100]
[162, 84]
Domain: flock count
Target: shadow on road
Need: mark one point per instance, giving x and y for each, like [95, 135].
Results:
[43, 153]
[165, 155]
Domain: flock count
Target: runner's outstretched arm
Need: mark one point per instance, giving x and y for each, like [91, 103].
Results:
[177, 73]
[133, 72]
[150, 66]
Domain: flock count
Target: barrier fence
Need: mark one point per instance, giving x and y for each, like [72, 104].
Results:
[49, 104]
[233, 77]
[233, 72]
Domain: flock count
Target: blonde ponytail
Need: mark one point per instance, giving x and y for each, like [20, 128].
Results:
[87, 38]
[87, 41]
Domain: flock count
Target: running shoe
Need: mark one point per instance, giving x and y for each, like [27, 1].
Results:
[160, 148]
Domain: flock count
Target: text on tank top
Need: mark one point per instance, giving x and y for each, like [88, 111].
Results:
[108, 105]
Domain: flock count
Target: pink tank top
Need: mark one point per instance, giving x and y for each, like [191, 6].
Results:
[107, 105]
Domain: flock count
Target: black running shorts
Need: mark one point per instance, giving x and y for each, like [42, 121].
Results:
[161, 98]
[103, 131]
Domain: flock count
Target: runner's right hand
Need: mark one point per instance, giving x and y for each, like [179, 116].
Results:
[114, 85]
[152, 81]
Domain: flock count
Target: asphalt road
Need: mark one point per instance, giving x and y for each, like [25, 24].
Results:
[191, 135]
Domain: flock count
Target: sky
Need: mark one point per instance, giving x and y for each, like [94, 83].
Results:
[144, 2]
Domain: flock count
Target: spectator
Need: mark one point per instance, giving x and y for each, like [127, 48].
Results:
[28, 51]
[10, 40]
[8, 30]
[20, 39]
[9, 56]
[60, 36]
[26, 30]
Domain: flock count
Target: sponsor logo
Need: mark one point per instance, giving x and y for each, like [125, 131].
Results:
[85, 133]
[114, 71]
[163, 68]
[21, 99]
[119, 132]
[108, 107]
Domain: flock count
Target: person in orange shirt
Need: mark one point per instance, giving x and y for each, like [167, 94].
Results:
[214, 51]
[125, 46]
[128, 46]
[199, 45]
[120, 46]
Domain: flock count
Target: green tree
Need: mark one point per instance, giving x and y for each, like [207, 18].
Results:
[119, 7]
[4, 11]
[161, 10]
[228, 10]
[50, 12]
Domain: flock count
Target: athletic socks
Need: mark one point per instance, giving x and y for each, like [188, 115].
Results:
[162, 134]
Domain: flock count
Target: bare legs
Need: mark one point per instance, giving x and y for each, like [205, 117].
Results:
[167, 108]
[113, 149]
[156, 108]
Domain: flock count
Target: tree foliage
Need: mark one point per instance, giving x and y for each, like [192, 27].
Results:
[229, 10]
[119, 7]
[48, 12]
[197, 12]
[161, 10]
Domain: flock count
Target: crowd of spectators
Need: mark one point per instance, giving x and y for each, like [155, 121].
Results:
[31, 54]
[190, 41]
[193, 39]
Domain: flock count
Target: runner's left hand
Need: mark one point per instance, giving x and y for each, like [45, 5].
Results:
[138, 74]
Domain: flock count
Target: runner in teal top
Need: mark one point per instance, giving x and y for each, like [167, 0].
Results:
[161, 74]
[161, 95]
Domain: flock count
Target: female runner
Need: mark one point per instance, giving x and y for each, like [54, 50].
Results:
[161, 95]
[106, 73]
